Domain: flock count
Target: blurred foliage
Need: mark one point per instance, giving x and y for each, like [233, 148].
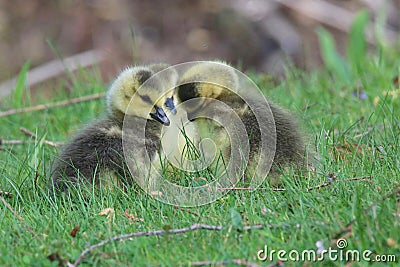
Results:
[252, 34]
[344, 70]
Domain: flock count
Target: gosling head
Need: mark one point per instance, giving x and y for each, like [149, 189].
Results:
[205, 82]
[133, 93]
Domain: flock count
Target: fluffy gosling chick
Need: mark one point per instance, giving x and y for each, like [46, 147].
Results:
[98, 149]
[213, 81]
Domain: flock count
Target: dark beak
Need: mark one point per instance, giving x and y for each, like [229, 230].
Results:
[169, 103]
[160, 116]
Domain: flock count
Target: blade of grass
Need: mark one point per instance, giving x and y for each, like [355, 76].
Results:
[357, 45]
[20, 86]
[332, 60]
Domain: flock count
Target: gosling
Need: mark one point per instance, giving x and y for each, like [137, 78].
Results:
[210, 80]
[97, 150]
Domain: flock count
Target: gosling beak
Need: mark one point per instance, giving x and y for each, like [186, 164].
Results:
[169, 103]
[160, 116]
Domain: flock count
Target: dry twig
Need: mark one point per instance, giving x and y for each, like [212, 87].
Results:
[363, 179]
[394, 192]
[23, 142]
[52, 105]
[161, 232]
[30, 134]
[17, 215]
[54, 68]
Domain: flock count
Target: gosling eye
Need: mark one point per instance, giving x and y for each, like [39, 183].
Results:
[146, 99]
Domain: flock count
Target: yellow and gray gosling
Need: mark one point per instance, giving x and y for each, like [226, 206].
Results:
[97, 150]
[220, 76]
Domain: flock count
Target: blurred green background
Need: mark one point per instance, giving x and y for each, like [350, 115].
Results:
[251, 34]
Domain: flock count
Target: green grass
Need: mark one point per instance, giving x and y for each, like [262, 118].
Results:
[333, 118]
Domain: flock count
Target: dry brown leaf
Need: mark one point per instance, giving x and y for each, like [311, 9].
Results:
[396, 81]
[391, 242]
[132, 217]
[107, 211]
[74, 231]
[343, 151]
